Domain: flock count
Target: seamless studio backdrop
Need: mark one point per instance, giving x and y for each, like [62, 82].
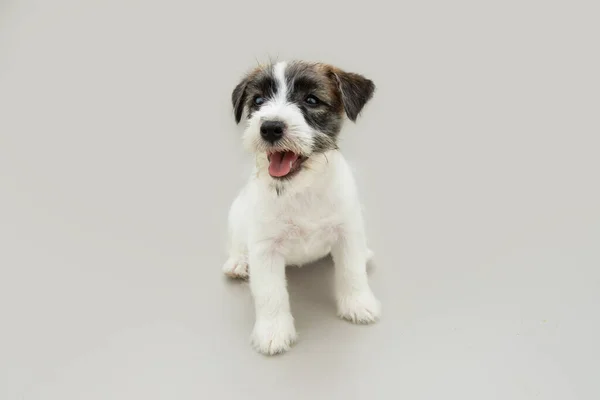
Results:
[477, 163]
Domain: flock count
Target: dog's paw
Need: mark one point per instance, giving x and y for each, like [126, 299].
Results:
[236, 268]
[274, 335]
[360, 308]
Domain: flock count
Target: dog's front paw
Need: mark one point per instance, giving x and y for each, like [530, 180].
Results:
[236, 268]
[360, 308]
[274, 335]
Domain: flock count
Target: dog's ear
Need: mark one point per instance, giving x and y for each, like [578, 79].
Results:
[356, 91]
[238, 99]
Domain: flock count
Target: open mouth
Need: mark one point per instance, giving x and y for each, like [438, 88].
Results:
[283, 164]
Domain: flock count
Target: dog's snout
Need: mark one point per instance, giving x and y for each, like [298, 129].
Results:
[272, 131]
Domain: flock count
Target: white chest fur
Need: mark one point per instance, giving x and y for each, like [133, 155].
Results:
[302, 232]
[300, 223]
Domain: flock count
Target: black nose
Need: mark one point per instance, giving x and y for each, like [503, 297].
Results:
[272, 131]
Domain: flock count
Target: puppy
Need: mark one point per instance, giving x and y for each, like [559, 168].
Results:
[300, 203]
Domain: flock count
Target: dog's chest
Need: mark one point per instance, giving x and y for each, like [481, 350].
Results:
[308, 235]
[309, 230]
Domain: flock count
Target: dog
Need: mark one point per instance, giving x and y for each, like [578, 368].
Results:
[301, 202]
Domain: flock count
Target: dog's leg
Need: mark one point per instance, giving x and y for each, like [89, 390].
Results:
[355, 300]
[274, 330]
[236, 265]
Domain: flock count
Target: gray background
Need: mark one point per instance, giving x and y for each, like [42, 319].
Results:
[477, 162]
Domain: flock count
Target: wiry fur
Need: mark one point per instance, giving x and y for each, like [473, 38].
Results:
[298, 220]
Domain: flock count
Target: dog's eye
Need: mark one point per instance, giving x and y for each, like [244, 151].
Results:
[312, 100]
[258, 100]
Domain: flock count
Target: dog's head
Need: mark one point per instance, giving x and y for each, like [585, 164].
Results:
[295, 112]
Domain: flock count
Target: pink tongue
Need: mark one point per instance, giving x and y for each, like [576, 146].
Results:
[281, 163]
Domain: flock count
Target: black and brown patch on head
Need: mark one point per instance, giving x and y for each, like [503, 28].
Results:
[324, 93]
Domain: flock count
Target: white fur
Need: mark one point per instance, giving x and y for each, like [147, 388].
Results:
[315, 214]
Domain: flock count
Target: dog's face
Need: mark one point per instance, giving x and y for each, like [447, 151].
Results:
[295, 111]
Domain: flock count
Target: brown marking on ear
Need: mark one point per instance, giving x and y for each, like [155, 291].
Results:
[355, 91]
